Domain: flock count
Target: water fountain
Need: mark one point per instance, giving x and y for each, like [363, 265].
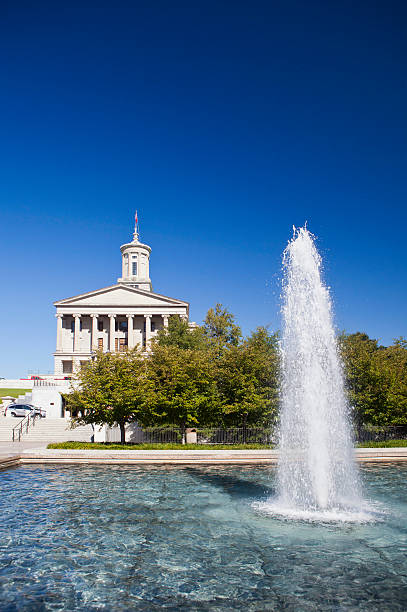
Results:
[317, 476]
[152, 537]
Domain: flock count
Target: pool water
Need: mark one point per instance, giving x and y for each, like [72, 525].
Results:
[152, 538]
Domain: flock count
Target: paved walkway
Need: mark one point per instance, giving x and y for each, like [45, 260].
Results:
[10, 452]
[12, 448]
[26, 453]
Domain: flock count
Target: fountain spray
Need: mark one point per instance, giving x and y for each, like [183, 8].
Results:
[316, 469]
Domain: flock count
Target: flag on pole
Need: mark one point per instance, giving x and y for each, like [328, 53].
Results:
[136, 226]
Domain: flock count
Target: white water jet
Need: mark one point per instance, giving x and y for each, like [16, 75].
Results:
[317, 476]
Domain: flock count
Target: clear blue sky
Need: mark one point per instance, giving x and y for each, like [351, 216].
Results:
[223, 123]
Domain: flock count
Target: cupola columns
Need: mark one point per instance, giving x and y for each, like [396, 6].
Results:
[136, 262]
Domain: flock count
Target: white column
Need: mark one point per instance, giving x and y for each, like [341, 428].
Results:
[59, 331]
[165, 320]
[147, 319]
[130, 332]
[112, 334]
[76, 337]
[94, 344]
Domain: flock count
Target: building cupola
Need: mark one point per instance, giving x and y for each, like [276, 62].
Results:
[136, 262]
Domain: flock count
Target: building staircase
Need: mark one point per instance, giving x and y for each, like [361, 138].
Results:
[27, 398]
[45, 431]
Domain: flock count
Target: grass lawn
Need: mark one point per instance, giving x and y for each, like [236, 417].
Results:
[136, 447]
[13, 392]
[387, 444]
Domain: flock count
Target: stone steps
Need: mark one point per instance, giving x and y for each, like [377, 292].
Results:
[46, 431]
[25, 399]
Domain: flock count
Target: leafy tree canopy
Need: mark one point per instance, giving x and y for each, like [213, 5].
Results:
[247, 380]
[376, 379]
[110, 390]
[178, 333]
[182, 386]
[220, 328]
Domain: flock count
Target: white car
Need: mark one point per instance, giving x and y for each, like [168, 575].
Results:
[22, 410]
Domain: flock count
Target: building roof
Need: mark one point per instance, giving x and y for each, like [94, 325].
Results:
[120, 295]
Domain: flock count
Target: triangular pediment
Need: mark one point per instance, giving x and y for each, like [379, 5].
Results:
[120, 295]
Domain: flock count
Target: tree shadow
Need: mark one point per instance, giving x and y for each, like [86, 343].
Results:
[235, 487]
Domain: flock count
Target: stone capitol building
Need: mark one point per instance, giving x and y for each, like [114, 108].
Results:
[115, 318]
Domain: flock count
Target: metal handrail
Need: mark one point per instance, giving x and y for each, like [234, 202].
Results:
[24, 423]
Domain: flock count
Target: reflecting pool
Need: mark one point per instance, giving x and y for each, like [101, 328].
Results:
[152, 538]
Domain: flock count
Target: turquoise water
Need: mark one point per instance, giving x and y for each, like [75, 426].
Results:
[128, 538]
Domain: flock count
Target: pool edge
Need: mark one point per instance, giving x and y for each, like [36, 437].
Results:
[224, 457]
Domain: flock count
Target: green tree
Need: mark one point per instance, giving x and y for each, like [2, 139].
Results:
[266, 343]
[178, 333]
[363, 383]
[376, 379]
[182, 388]
[390, 364]
[110, 390]
[400, 342]
[247, 377]
[220, 328]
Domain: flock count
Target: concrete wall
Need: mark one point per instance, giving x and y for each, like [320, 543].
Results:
[49, 399]
[134, 434]
[16, 383]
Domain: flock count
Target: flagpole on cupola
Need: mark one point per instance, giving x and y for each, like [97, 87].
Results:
[136, 230]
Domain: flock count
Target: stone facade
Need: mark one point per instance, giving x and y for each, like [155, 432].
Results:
[115, 318]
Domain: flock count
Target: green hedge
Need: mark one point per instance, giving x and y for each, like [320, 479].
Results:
[170, 446]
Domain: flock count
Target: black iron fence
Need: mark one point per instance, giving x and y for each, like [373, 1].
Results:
[370, 433]
[160, 435]
[241, 435]
[236, 435]
[209, 435]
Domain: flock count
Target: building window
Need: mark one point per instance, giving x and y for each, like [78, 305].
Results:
[100, 344]
[100, 325]
[152, 326]
[73, 325]
[134, 265]
[121, 326]
[120, 344]
[67, 367]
